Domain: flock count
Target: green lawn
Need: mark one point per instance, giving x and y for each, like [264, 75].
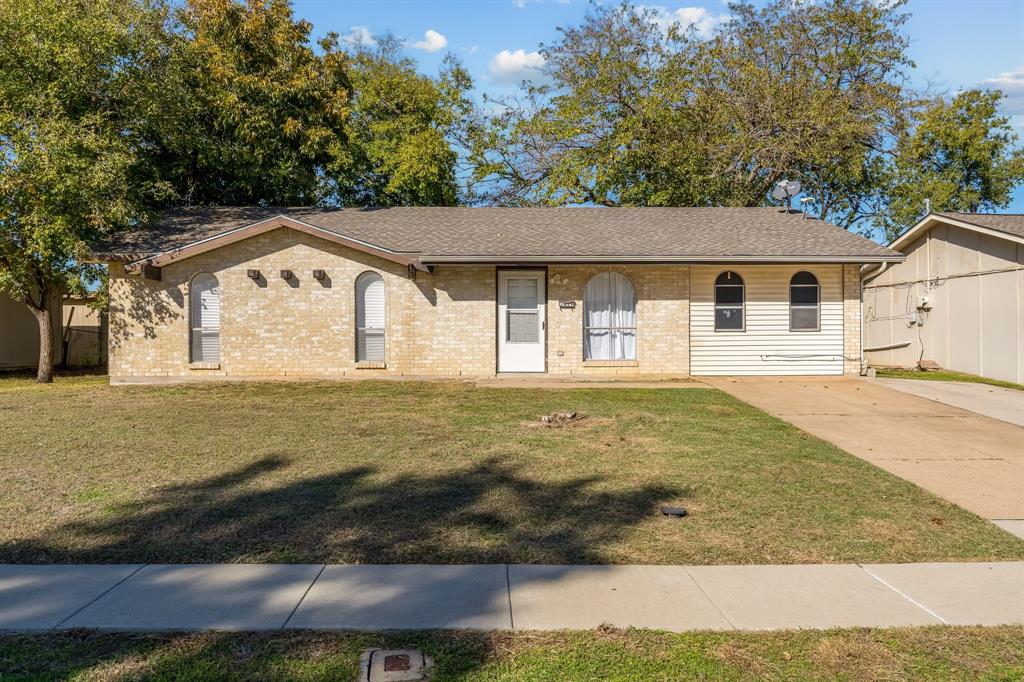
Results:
[399, 472]
[934, 653]
[945, 375]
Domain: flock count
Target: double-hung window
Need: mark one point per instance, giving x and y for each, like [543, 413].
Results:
[804, 303]
[370, 317]
[204, 318]
[730, 297]
[609, 318]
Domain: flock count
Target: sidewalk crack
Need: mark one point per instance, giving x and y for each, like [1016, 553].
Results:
[904, 595]
[303, 597]
[708, 596]
[98, 597]
[508, 592]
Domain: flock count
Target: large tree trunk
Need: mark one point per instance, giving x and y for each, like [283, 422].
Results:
[45, 373]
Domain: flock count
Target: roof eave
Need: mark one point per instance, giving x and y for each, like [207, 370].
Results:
[495, 259]
[929, 221]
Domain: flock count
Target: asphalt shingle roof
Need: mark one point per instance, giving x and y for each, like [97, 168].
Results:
[1010, 223]
[495, 233]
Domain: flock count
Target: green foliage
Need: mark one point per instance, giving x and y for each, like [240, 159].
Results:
[630, 113]
[961, 155]
[68, 72]
[249, 113]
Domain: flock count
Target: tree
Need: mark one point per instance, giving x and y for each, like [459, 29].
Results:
[961, 155]
[249, 112]
[402, 130]
[68, 164]
[630, 113]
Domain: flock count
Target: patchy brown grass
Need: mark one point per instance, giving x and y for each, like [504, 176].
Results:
[394, 472]
[932, 653]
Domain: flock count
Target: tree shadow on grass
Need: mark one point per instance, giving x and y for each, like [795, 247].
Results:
[487, 513]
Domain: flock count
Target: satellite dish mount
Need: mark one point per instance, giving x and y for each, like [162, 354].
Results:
[785, 190]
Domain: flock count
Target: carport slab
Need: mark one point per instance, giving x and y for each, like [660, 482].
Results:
[40, 597]
[962, 594]
[811, 596]
[391, 597]
[584, 597]
[201, 597]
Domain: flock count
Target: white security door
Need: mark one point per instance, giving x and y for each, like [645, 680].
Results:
[521, 326]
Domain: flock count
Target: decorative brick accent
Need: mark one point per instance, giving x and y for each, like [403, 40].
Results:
[851, 319]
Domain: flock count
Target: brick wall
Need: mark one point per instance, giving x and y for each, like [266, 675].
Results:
[436, 325]
[663, 320]
[851, 319]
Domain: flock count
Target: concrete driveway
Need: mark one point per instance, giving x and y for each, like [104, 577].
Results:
[1004, 404]
[969, 459]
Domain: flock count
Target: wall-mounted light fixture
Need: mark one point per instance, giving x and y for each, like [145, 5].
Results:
[252, 274]
[320, 275]
[286, 274]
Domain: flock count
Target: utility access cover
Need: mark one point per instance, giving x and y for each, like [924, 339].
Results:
[394, 665]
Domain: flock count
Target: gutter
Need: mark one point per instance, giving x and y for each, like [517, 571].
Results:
[482, 260]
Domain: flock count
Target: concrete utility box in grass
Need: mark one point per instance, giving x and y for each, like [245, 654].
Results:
[394, 665]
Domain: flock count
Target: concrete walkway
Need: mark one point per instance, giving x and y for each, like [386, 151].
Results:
[966, 458]
[506, 597]
[1004, 404]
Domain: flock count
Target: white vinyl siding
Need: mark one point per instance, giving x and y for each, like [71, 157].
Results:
[370, 316]
[766, 346]
[204, 318]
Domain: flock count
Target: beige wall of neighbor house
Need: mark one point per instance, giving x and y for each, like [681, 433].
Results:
[19, 334]
[766, 345]
[84, 334]
[974, 284]
[444, 323]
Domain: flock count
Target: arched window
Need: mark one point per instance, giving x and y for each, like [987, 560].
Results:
[204, 318]
[370, 318]
[804, 303]
[609, 318]
[730, 296]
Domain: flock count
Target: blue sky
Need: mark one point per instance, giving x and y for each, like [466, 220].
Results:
[954, 43]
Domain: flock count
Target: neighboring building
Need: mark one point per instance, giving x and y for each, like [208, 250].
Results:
[957, 300]
[252, 292]
[19, 334]
[84, 333]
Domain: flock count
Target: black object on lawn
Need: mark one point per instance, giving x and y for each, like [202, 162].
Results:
[674, 511]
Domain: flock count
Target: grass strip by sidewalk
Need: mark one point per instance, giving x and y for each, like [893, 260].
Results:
[934, 653]
[945, 375]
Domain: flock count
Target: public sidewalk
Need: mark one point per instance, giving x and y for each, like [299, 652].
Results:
[506, 597]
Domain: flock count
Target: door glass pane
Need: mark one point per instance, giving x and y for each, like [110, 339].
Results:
[522, 293]
[523, 327]
[728, 318]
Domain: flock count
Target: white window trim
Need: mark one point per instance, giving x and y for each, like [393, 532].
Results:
[804, 306]
[363, 362]
[624, 362]
[193, 328]
[742, 307]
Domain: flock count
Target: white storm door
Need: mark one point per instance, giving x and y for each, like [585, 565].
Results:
[521, 325]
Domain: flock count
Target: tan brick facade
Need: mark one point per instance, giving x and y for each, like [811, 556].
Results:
[851, 320]
[440, 324]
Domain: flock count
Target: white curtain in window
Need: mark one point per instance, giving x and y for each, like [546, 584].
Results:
[204, 295]
[370, 317]
[609, 318]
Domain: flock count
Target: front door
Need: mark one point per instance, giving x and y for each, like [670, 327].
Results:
[521, 324]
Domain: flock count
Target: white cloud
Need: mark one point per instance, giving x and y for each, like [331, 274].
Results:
[432, 41]
[704, 23]
[1012, 85]
[359, 36]
[513, 66]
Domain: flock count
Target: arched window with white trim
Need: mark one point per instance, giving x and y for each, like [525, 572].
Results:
[204, 318]
[370, 316]
[804, 303]
[730, 300]
[609, 318]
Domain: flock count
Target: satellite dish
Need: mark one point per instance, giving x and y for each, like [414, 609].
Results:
[785, 190]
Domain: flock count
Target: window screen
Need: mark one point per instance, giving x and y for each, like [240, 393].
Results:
[370, 318]
[804, 303]
[204, 318]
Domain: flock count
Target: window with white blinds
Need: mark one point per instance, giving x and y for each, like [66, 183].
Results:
[204, 318]
[370, 316]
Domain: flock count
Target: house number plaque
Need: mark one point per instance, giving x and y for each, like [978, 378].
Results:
[567, 305]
